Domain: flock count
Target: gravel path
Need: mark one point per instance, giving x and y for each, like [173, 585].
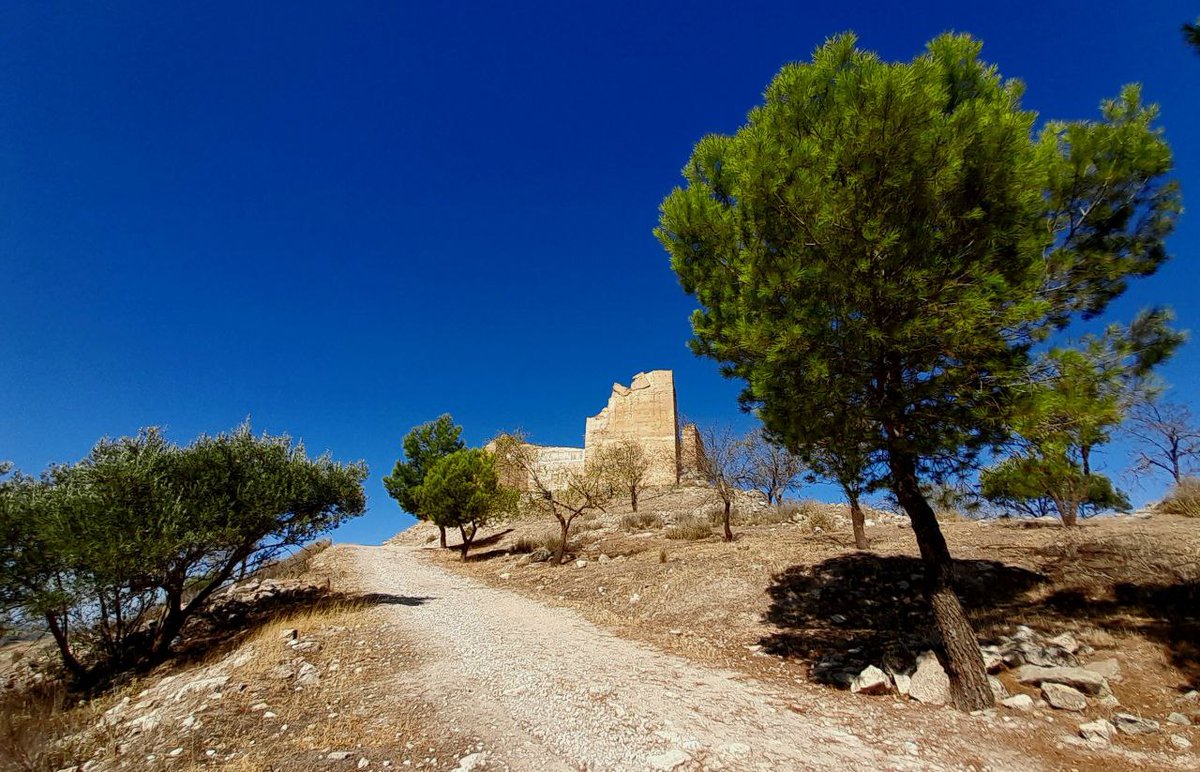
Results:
[549, 690]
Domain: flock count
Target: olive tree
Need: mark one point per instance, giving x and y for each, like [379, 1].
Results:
[892, 239]
[118, 551]
[626, 465]
[725, 465]
[771, 467]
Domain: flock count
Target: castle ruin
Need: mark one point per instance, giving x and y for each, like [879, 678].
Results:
[645, 412]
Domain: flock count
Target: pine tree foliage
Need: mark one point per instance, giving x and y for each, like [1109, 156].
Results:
[462, 490]
[891, 240]
[423, 446]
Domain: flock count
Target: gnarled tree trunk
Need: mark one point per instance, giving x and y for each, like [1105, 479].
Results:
[969, 687]
[728, 530]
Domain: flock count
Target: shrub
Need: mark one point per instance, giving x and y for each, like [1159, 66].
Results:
[817, 517]
[690, 529]
[783, 512]
[641, 521]
[536, 540]
[1183, 499]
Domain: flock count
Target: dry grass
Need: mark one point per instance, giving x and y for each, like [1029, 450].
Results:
[690, 528]
[534, 540]
[641, 521]
[295, 564]
[39, 728]
[1183, 499]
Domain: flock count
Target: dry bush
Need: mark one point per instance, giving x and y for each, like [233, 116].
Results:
[1183, 498]
[783, 512]
[948, 515]
[690, 528]
[641, 521]
[818, 518]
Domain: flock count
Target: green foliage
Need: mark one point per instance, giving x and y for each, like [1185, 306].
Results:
[1191, 35]
[118, 551]
[1046, 484]
[1078, 398]
[463, 491]
[886, 242]
[423, 446]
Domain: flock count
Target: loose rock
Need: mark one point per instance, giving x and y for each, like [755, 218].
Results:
[872, 680]
[1064, 697]
[1018, 702]
[1099, 731]
[929, 683]
[1079, 678]
[1135, 725]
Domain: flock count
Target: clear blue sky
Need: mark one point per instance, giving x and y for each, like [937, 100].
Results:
[345, 221]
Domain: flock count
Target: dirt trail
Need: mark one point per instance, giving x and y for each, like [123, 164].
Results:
[549, 690]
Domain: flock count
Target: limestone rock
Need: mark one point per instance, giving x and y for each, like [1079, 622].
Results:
[1180, 742]
[1179, 718]
[872, 680]
[471, 761]
[1079, 678]
[308, 676]
[1018, 702]
[581, 563]
[540, 555]
[929, 683]
[1066, 641]
[1130, 724]
[998, 690]
[1109, 668]
[1098, 731]
[669, 760]
[903, 683]
[1064, 697]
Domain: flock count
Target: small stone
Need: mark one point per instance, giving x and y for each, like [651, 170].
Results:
[669, 760]
[581, 563]
[1064, 697]
[259, 706]
[1135, 725]
[364, 762]
[1180, 742]
[269, 714]
[1018, 702]
[506, 575]
[929, 683]
[903, 683]
[1099, 731]
[998, 690]
[176, 753]
[339, 755]
[838, 619]
[634, 598]
[604, 558]
[871, 680]
[308, 676]
[1179, 718]
[540, 555]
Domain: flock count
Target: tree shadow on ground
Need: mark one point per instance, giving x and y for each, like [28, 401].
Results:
[209, 634]
[479, 547]
[854, 610]
[860, 609]
[1164, 613]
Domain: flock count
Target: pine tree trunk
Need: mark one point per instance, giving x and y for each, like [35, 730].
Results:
[859, 522]
[442, 533]
[466, 540]
[728, 530]
[969, 687]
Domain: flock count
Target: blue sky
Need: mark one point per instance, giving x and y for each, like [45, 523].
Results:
[344, 221]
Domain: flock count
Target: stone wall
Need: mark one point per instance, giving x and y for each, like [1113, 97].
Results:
[645, 411]
[691, 455]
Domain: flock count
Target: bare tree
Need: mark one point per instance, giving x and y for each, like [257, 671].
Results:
[771, 468]
[1167, 436]
[564, 498]
[725, 466]
[625, 464]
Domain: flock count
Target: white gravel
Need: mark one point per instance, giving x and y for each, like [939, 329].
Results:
[553, 691]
